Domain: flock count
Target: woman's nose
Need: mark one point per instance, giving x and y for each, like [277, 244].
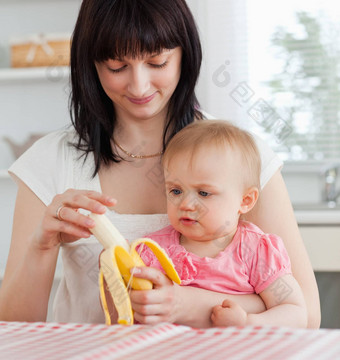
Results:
[139, 83]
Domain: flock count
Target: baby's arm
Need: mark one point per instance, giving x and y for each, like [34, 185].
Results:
[284, 302]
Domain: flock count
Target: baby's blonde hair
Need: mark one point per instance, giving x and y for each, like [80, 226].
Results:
[223, 135]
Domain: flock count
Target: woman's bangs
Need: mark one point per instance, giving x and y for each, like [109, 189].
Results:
[133, 35]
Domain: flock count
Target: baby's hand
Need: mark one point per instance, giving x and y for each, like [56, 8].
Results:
[229, 314]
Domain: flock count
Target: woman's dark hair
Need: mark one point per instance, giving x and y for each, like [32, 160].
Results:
[111, 29]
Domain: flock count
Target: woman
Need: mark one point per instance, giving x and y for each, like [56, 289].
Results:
[134, 66]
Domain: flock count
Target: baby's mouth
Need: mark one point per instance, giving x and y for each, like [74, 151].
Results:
[187, 221]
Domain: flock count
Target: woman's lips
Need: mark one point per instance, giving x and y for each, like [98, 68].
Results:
[141, 101]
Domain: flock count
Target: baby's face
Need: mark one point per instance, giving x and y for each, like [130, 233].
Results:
[204, 193]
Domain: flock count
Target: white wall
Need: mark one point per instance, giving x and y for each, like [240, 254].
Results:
[222, 26]
[28, 106]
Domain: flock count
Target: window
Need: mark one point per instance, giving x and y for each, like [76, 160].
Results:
[274, 67]
[294, 65]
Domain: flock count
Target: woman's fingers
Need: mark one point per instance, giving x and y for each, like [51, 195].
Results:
[76, 199]
[64, 207]
[62, 223]
[53, 232]
[71, 231]
[65, 213]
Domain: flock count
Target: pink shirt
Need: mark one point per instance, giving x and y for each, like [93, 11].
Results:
[250, 263]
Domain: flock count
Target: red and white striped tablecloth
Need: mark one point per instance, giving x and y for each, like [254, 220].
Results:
[164, 341]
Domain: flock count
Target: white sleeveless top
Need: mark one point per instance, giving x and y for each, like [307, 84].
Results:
[52, 166]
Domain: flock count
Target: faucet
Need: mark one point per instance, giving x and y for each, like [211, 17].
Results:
[331, 190]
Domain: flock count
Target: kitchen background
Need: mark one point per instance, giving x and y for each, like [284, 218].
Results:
[255, 71]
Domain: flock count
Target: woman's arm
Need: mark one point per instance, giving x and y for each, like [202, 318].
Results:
[29, 270]
[274, 214]
[36, 238]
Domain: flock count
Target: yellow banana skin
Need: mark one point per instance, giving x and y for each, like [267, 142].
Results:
[161, 256]
[115, 284]
[116, 262]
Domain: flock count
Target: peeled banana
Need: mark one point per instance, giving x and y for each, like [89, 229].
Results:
[116, 262]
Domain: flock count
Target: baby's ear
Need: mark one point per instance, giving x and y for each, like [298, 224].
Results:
[249, 200]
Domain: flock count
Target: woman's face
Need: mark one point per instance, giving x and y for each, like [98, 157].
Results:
[141, 88]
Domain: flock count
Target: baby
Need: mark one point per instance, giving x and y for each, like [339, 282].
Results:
[212, 172]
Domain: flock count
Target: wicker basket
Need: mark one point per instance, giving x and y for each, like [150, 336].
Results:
[40, 50]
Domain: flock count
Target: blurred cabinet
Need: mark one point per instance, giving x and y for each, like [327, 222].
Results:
[323, 246]
[32, 100]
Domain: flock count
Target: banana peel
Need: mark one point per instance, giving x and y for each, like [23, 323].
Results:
[116, 262]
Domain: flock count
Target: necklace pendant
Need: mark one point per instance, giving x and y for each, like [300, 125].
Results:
[135, 156]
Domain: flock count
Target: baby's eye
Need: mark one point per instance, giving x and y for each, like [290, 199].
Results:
[204, 193]
[175, 191]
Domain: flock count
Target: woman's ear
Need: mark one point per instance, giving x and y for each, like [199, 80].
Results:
[249, 200]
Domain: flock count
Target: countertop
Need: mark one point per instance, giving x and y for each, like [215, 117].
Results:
[167, 341]
[317, 217]
[317, 214]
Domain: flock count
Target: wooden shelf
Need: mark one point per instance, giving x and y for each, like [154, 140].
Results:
[50, 73]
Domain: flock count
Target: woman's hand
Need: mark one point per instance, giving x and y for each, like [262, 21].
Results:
[62, 223]
[161, 304]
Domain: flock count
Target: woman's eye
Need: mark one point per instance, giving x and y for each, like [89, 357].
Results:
[117, 70]
[204, 193]
[159, 66]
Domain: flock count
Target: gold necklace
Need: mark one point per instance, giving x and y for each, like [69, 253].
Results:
[134, 156]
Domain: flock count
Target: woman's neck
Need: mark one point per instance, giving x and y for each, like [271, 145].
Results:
[141, 135]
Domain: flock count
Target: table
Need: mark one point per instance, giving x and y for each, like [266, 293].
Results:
[20, 340]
